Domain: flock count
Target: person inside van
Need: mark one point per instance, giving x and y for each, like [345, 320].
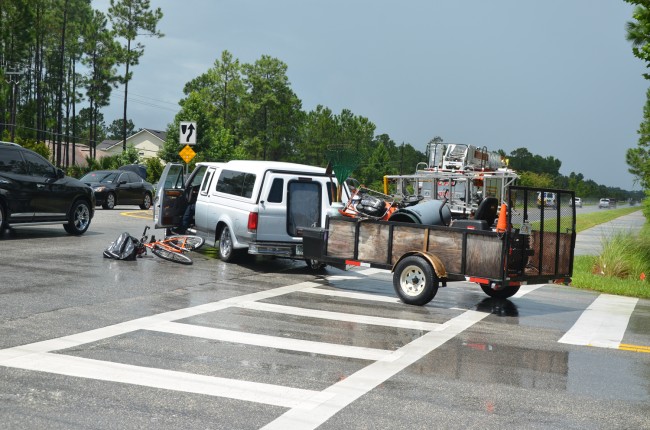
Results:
[187, 221]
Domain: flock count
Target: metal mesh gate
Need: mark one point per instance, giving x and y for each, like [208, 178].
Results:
[544, 220]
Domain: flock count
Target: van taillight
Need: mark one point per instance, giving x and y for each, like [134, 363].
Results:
[252, 221]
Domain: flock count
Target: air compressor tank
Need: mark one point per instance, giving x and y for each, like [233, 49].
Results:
[430, 212]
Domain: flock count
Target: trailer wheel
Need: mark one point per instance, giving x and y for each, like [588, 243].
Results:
[500, 294]
[414, 281]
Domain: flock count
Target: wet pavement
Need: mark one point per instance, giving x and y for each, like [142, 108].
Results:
[87, 342]
[590, 241]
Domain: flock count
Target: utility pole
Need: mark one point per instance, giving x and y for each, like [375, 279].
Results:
[12, 79]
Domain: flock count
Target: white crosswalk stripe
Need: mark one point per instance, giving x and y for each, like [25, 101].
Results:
[306, 409]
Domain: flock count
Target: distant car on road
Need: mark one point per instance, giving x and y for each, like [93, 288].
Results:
[577, 201]
[34, 192]
[549, 200]
[604, 204]
[119, 187]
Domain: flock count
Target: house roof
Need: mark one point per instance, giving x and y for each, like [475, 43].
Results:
[81, 152]
[108, 144]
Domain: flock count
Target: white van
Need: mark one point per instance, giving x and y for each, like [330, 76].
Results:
[255, 205]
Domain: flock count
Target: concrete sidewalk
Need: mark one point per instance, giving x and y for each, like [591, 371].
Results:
[589, 242]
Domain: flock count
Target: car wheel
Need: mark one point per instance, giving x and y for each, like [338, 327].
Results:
[3, 216]
[78, 218]
[146, 202]
[226, 246]
[109, 203]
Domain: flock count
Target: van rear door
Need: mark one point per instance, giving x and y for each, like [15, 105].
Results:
[286, 203]
[168, 206]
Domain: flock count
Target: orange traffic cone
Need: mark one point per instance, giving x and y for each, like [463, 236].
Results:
[502, 224]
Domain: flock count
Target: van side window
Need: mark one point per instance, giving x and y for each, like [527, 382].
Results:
[247, 187]
[206, 182]
[275, 194]
[198, 176]
[236, 183]
[331, 189]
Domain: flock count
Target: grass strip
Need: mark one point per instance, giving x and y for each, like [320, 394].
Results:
[623, 264]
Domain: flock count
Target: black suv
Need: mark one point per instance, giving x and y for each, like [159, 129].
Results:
[34, 192]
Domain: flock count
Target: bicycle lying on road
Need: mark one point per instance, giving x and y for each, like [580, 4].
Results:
[172, 248]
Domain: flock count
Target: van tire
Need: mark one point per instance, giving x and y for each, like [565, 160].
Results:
[315, 265]
[226, 246]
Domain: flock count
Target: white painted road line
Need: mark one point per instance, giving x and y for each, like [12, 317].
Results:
[372, 271]
[273, 341]
[525, 289]
[603, 323]
[352, 295]
[316, 410]
[276, 395]
[144, 323]
[338, 316]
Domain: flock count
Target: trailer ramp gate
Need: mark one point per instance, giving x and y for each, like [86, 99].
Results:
[543, 242]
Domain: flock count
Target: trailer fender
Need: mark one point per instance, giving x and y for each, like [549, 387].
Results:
[436, 263]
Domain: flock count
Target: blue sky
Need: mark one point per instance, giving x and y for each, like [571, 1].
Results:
[554, 76]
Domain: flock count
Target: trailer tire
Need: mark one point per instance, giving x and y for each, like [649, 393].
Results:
[500, 294]
[414, 281]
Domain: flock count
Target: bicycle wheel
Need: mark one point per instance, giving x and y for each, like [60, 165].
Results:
[167, 254]
[185, 242]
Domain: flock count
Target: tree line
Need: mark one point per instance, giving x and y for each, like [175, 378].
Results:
[60, 60]
[59, 55]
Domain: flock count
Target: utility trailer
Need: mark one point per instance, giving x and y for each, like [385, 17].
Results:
[533, 245]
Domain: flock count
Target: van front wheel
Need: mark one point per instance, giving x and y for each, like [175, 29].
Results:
[226, 247]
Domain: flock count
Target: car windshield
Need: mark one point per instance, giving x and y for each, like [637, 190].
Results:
[101, 177]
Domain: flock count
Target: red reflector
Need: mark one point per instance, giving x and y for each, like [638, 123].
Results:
[252, 221]
[471, 227]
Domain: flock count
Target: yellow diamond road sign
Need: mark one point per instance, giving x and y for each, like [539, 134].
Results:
[187, 153]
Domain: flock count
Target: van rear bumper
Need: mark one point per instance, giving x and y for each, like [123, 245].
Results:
[278, 249]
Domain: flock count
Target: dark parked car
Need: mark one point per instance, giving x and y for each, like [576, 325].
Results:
[119, 187]
[34, 192]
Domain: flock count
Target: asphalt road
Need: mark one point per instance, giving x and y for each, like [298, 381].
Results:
[91, 343]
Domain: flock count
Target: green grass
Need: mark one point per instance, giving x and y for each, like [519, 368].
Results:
[592, 219]
[623, 262]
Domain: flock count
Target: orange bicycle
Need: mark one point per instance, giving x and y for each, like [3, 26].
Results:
[171, 248]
